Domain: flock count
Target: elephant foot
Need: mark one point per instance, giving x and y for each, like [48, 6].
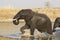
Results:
[54, 30]
[23, 32]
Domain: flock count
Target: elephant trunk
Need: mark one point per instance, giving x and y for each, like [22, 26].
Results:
[15, 21]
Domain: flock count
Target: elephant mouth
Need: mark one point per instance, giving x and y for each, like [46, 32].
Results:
[15, 21]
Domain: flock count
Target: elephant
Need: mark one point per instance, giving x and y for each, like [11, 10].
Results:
[33, 20]
[56, 23]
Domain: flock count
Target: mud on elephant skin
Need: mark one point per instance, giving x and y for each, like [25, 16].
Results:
[33, 20]
[56, 23]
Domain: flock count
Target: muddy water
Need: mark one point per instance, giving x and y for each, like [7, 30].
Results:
[9, 27]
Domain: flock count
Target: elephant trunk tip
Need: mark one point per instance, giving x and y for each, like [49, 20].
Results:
[15, 21]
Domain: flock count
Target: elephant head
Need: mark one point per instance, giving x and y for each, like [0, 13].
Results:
[56, 23]
[23, 14]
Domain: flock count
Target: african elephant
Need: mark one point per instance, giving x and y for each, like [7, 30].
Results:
[33, 20]
[56, 23]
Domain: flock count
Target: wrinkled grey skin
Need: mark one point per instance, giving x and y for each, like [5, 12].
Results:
[33, 21]
[56, 23]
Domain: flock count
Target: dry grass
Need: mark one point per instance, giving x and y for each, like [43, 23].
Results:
[7, 13]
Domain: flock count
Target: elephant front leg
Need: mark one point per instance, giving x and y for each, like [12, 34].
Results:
[23, 28]
[32, 31]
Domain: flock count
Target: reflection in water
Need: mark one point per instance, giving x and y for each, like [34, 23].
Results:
[19, 36]
[33, 38]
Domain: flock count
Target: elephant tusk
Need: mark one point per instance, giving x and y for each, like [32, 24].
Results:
[14, 19]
